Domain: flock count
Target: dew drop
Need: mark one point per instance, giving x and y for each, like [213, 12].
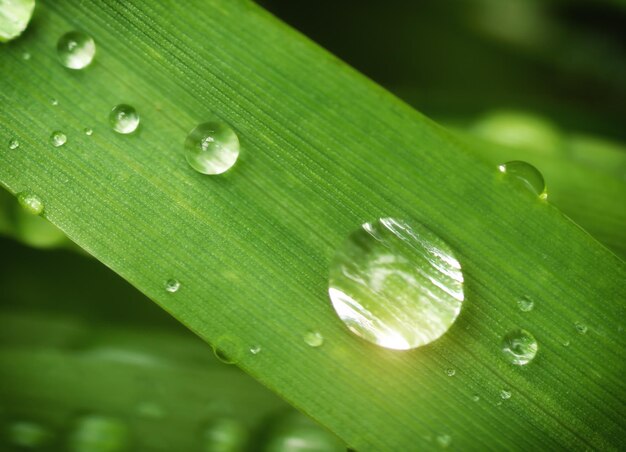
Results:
[95, 433]
[54, 102]
[525, 304]
[88, 131]
[527, 175]
[313, 339]
[566, 343]
[30, 202]
[124, 119]
[58, 138]
[444, 441]
[450, 372]
[28, 434]
[476, 398]
[212, 148]
[76, 50]
[227, 350]
[581, 328]
[13, 143]
[172, 285]
[14, 18]
[505, 395]
[396, 284]
[519, 347]
[224, 435]
[255, 349]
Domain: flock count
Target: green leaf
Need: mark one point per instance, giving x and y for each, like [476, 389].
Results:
[323, 151]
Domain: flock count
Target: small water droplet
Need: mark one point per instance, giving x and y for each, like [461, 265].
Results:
[224, 435]
[519, 347]
[28, 434]
[527, 175]
[450, 372]
[566, 343]
[13, 143]
[525, 304]
[124, 119]
[581, 328]
[476, 398]
[172, 285]
[255, 349]
[76, 50]
[444, 441]
[58, 138]
[95, 433]
[26, 56]
[31, 203]
[505, 395]
[54, 102]
[88, 131]
[227, 350]
[313, 339]
[212, 148]
[396, 284]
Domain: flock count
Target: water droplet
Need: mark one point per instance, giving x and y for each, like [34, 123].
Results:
[172, 285]
[26, 56]
[525, 304]
[124, 119]
[527, 175]
[313, 339]
[476, 398]
[13, 143]
[450, 372]
[31, 203]
[294, 432]
[212, 148]
[224, 435]
[581, 328]
[519, 347]
[54, 102]
[444, 441]
[14, 17]
[58, 138]
[95, 433]
[227, 350]
[505, 395]
[28, 434]
[255, 349]
[566, 343]
[88, 131]
[76, 50]
[396, 284]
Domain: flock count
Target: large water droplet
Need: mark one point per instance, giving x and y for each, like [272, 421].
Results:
[14, 17]
[30, 202]
[172, 285]
[96, 433]
[525, 304]
[396, 284]
[124, 119]
[519, 347]
[14, 143]
[224, 435]
[212, 148]
[313, 339]
[76, 50]
[527, 175]
[58, 138]
[28, 434]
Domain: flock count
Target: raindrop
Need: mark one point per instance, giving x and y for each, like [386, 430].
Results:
[14, 18]
[450, 372]
[566, 343]
[31, 203]
[581, 328]
[124, 119]
[519, 347]
[444, 441]
[525, 304]
[13, 143]
[54, 102]
[476, 398]
[227, 350]
[313, 339]
[396, 284]
[172, 285]
[527, 175]
[505, 395]
[58, 138]
[88, 131]
[212, 148]
[76, 50]
[255, 349]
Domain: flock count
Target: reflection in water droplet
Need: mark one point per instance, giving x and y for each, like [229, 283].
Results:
[28, 434]
[172, 285]
[224, 435]
[294, 432]
[13, 143]
[527, 175]
[313, 339]
[76, 50]
[450, 372]
[444, 441]
[525, 304]
[519, 347]
[212, 148]
[31, 203]
[95, 433]
[396, 284]
[566, 343]
[124, 119]
[581, 328]
[505, 395]
[227, 350]
[58, 138]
